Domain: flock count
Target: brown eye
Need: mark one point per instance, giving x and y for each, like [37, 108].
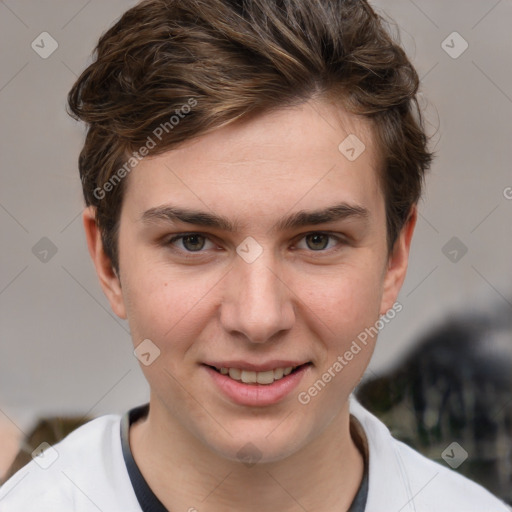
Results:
[320, 242]
[317, 241]
[193, 242]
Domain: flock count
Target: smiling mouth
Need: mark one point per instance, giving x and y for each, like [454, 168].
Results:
[253, 377]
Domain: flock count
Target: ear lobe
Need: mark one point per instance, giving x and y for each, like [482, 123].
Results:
[108, 278]
[397, 263]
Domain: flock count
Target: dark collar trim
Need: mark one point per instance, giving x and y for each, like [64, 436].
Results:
[145, 496]
[150, 503]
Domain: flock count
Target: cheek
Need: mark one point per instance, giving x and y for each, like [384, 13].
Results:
[345, 311]
[343, 315]
[172, 316]
[346, 302]
[171, 307]
[160, 307]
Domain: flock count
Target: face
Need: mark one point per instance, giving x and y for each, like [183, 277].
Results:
[258, 246]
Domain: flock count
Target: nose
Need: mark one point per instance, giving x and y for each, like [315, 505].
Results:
[257, 302]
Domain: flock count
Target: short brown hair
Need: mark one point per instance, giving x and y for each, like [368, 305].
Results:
[232, 58]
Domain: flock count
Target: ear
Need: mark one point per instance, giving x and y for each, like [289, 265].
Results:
[397, 263]
[109, 280]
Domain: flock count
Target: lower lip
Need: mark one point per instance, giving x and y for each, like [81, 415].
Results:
[257, 394]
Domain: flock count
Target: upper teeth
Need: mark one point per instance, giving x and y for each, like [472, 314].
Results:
[251, 377]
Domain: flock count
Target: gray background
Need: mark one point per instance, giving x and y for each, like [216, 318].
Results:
[62, 349]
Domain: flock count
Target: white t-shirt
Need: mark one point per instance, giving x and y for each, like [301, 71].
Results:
[87, 472]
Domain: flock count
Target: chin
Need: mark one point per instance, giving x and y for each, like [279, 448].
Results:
[259, 445]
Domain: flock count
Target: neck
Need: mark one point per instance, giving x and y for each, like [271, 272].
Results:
[184, 474]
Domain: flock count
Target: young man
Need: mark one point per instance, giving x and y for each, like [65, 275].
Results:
[251, 173]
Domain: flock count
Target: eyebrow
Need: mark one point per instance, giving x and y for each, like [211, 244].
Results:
[302, 218]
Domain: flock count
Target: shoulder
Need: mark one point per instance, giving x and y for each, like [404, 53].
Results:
[402, 478]
[81, 472]
[436, 487]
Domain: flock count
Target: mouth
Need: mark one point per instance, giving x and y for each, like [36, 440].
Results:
[255, 378]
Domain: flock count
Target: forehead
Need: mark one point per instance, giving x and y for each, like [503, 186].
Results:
[304, 157]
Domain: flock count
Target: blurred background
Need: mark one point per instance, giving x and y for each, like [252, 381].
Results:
[442, 370]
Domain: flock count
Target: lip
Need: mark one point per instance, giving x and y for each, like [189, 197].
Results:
[255, 367]
[257, 395]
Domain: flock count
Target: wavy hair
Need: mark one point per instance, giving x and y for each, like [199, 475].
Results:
[235, 58]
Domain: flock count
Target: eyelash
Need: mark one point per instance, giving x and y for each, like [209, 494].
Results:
[192, 254]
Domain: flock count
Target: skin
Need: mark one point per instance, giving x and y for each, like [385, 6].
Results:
[303, 298]
[11, 440]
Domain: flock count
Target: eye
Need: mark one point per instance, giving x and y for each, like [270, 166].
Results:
[319, 241]
[191, 242]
